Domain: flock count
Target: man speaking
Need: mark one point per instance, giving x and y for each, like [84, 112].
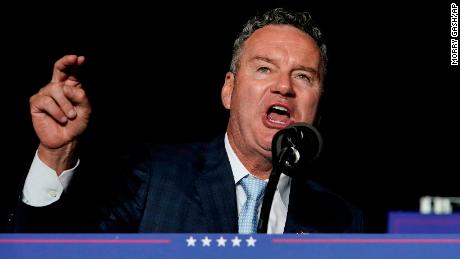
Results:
[275, 80]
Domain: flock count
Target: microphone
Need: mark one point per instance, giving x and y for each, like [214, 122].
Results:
[296, 147]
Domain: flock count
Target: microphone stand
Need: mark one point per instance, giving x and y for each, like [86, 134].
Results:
[270, 191]
[287, 145]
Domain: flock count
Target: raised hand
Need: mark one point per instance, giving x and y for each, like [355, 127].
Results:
[60, 113]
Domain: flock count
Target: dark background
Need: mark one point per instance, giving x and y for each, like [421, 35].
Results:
[154, 74]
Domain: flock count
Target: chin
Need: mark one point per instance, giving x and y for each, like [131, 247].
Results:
[266, 141]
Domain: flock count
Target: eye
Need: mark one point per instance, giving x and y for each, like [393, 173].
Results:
[304, 77]
[263, 70]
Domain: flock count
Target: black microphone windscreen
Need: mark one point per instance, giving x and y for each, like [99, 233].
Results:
[299, 144]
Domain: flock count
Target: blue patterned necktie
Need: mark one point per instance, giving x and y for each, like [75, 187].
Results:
[254, 189]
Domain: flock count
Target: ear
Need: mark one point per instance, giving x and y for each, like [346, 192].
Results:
[227, 89]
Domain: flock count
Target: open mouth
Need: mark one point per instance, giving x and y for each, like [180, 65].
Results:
[279, 115]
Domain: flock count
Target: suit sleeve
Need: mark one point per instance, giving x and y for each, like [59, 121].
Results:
[102, 197]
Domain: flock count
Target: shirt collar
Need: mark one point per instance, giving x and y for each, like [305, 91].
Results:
[238, 169]
[239, 172]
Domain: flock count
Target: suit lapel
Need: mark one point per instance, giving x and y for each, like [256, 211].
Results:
[216, 188]
[313, 209]
[298, 211]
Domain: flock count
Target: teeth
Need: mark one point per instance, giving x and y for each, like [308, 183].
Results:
[280, 108]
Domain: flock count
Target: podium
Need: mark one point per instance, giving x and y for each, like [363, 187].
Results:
[354, 246]
[415, 223]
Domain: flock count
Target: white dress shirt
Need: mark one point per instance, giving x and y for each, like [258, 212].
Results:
[43, 187]
[278, 212]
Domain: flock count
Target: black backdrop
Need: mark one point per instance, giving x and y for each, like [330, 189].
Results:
[154, 74]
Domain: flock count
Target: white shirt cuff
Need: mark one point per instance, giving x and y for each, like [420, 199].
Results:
[43, 186]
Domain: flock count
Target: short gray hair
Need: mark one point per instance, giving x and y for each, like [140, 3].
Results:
[279, 16]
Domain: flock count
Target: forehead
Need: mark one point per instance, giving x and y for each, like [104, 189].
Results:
[287, 39]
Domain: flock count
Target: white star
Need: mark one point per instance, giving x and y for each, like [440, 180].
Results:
[190, 241]
[251, 241]
[236, 241]
[221, 241]
[206, 241]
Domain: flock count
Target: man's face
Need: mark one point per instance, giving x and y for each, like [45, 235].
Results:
[278, 83]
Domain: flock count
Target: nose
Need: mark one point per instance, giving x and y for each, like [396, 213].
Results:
[283, 86]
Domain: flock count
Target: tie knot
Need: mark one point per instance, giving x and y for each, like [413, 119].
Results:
[253, 187]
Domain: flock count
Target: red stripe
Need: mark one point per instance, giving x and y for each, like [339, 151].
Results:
[88, 241]
[377, 241]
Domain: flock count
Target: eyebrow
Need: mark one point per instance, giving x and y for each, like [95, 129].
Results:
[297, 67]
[260, 58]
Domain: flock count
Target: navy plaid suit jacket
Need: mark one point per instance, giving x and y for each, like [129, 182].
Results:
[187, 188]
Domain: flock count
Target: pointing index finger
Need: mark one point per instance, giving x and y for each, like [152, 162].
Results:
[64, 68]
